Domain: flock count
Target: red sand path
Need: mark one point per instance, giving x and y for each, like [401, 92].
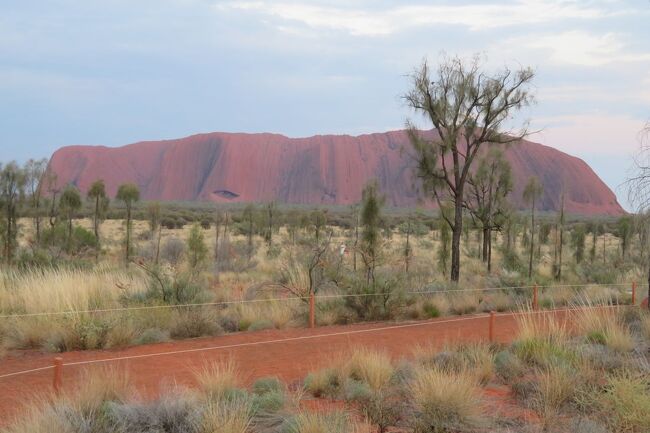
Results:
[288, 360]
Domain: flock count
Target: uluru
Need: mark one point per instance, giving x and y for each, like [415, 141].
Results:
[317, 170]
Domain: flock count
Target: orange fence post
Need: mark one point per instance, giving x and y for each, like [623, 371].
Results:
[491, 327]
[312, 307]
[535, 304]
[633, 292]
[58, 378]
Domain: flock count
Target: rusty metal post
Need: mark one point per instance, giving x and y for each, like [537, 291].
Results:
[633, 292]
[535, 302]
[312, 308]
[57, 381]
[491, 327]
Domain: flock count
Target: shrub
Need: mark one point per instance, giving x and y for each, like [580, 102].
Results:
[431, 310]
[444, 401]
[217, 380]
[194, 322]
[507, 365]
[226, 416]
[463, 303]
[626, 403]
[370, 367]
[266, 385]
[172, 251]
[260, 325]
[169, 414]
[541, 340]
[317, 422]
[323, 382]
[556, 386]
[604, 326]
[151, 336]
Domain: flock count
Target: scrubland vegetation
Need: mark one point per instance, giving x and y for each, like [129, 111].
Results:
[557, 381]
[82, 270]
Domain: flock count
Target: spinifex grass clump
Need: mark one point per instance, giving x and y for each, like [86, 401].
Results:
[542, 340]
[604, 325]
[444, 401]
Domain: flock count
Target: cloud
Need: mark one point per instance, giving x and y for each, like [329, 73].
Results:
[590, 133]
[376, 22]
[581, 48]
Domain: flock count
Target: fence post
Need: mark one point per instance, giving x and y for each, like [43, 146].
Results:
[312, 307]
[633, 292]
[535, 302]
[491, 327]
[57, 381]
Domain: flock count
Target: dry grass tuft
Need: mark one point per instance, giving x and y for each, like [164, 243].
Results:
[318, 422]
[226, 416]
[445, 400]
[606, 326]
[556, 387]
[371, 367]
[542, 340]
[217, 379]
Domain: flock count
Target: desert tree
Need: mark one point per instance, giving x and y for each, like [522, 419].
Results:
[639, 183]
[97, 195]
[489, 185]
[292, 223]
[625, 228]
[467, 108]
[371, 204]
[559, 238]
[218, 220]
[154, 218]
[578, 236]
[355, 244]
[12, 185]
[443, 249]
[197, 251]
[52, 187]
[69, 204]
[532, 193]
[407, 228]
[593, 229]
[34, 177]
[248, 217]
[271, 210]
[129, 194]
[318, 222]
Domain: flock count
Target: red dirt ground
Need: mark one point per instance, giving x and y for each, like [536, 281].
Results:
[288, 360]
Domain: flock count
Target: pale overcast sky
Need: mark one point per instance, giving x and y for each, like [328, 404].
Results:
[120, 71]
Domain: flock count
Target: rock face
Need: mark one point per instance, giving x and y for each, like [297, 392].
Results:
[324, 169]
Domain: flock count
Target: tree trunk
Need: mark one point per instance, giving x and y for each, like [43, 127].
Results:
[216, 241]
[8, 252]
[356, 243]
[158, 244]
[270, 227]
[96, 219]
[486, 241]
[250, 237]
[407, 252]
[532, 239]
[489, 251]
[37, 220]
[128, 234]
[648, 287]
[456, 232]
[70, 233]
[560, 248]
